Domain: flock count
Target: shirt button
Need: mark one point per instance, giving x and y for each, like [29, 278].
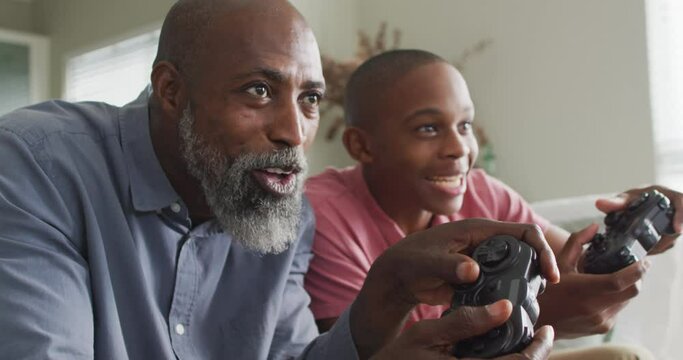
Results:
[175, 207]
[180, 329]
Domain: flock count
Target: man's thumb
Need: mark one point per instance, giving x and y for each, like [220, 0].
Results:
[467, 321]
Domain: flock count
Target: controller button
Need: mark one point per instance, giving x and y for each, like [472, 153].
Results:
[638, 201]
[493, 253]
[663, 203]
[599, 243]
[630, 260]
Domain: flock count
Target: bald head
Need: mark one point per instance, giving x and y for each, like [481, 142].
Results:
[368, 84]
[188, 26]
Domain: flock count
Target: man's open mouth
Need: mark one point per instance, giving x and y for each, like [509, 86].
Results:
[277, 181]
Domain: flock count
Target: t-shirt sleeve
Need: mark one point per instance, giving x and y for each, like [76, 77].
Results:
[339, 265]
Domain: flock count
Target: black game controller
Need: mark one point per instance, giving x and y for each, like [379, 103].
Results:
[645, 219]
[509, 269]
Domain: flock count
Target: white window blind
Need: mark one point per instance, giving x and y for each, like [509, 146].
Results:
[665, 39]
[113, 74]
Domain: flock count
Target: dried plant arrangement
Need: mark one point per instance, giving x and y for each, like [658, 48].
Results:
[476, 49]
[337, 73]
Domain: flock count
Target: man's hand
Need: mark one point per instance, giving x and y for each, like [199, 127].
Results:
[622, 200]
[422, 268]
[433, 339]
[584, 304]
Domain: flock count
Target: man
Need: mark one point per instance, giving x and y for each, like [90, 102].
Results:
[175, 227]
[409, 125]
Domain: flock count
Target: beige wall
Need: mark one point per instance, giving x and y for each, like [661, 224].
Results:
[16, 16]
[562, 92]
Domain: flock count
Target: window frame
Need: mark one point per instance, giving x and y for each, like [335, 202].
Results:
[39, 60]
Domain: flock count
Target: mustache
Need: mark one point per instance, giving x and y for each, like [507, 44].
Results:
[288, 159]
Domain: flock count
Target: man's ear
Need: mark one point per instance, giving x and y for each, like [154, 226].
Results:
[357, 144]
[169, 88]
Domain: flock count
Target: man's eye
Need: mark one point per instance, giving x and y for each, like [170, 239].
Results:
[258, 90]
[312, 99]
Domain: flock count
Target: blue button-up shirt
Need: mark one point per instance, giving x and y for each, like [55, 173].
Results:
[99, 259]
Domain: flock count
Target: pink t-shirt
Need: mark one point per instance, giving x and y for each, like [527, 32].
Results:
[352, 231]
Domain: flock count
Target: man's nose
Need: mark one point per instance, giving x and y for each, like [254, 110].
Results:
[287, 125]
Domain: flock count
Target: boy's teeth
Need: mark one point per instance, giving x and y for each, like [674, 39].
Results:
[449, 179]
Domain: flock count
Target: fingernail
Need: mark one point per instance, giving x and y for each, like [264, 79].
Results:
[646, 264]
[556, 271]
[618, 198]
[551, 334]
[496, 308]
[465, 270]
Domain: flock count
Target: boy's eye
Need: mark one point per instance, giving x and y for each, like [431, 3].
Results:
[427, 129]
[466, 126]
[312, 99]
[258, 90]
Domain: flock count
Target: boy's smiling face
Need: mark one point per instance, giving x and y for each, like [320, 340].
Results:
[421, 141]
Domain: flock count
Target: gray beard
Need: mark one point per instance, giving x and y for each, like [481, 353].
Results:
[258, 220]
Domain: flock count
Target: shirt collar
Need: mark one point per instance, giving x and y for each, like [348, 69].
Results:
[150, 188]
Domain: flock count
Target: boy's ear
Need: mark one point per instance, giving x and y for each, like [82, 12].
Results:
[357, 144]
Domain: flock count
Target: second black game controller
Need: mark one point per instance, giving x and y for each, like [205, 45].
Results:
[509, 269]
[629, 234]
